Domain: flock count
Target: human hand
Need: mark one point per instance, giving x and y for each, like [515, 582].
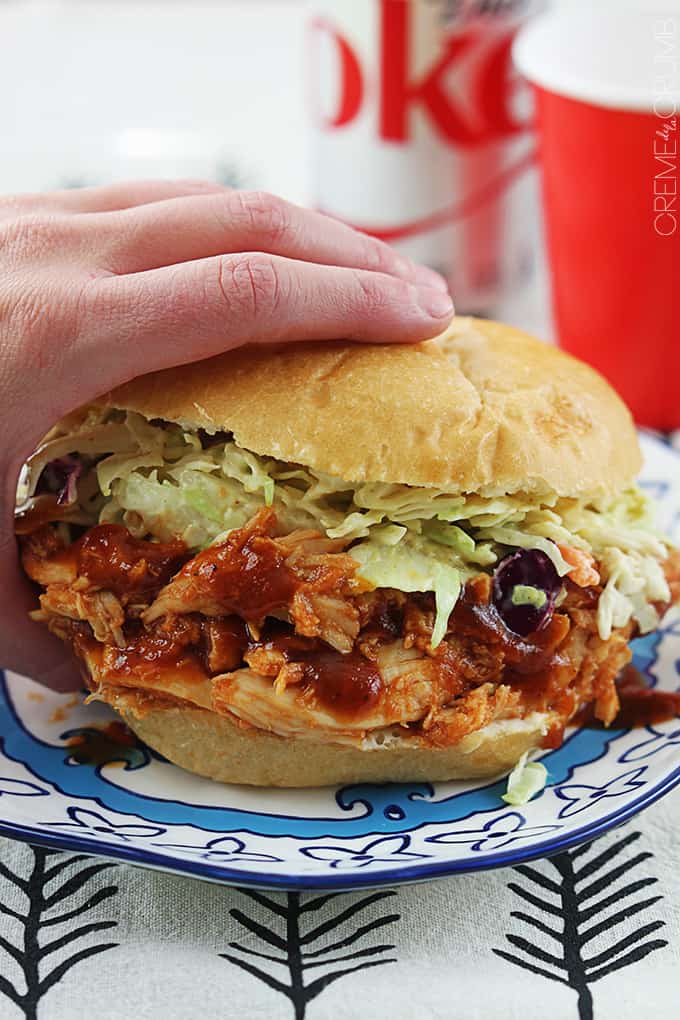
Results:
[99, 285]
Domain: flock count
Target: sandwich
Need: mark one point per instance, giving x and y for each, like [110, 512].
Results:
[337, 563]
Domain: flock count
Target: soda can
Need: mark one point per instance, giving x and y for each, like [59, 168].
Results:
[423, 135]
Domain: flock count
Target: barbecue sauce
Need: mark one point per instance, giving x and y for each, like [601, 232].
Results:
[476, 617]
[248, 577]
[41, 510]
[149, 652]
[112, 743]
[109, 557]
[640, 705]
[346, 685]
[225, 641]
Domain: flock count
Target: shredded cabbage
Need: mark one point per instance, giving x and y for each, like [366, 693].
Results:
[160, 480]
[414, 564]
[526, 780]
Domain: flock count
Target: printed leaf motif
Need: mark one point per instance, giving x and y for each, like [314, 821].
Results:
[38, 954]
[289, 937]
[570, 912]
[658, 741]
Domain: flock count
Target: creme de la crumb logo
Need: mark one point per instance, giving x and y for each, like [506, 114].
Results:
[665, 143]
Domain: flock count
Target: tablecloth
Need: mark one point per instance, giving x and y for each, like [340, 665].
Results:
[592, 932]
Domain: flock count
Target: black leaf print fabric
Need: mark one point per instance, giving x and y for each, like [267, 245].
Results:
[57, 891]
[593, 932]
[574, 899]
[299, 929]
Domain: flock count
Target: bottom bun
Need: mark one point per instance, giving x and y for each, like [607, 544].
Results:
[214, 746]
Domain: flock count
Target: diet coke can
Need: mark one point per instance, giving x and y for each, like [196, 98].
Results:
[423, 135]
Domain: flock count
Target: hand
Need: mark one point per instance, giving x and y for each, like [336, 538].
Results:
[99, 285]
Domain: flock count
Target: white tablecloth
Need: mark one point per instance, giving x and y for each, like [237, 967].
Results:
[473, 947]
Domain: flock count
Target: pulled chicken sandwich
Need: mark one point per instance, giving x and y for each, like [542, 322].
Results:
[340, 563]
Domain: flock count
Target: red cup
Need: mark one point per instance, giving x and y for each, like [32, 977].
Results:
[609, 128]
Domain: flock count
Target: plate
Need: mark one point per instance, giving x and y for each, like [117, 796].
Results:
[70, 778]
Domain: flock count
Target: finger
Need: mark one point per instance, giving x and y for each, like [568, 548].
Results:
[62, 677]
[130, 194]
[136, 324]
[199, 226]
[104, 198]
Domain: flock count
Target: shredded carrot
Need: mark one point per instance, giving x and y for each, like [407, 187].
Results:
[583, 570]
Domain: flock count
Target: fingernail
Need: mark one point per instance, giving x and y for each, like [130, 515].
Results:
[429, 278]
[434, 303]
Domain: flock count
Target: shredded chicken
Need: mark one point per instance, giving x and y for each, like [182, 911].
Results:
[278, 632]
[101, 609]
[45, 558]
[465, 685]
[256, 574]
[333, 619]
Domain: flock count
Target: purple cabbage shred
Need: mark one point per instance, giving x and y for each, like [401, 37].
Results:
[60, 477]
[532, 568]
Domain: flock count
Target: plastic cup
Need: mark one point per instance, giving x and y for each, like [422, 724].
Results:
[607, 85]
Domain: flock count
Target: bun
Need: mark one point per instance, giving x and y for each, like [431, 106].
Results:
[483, 408]
[213, 745]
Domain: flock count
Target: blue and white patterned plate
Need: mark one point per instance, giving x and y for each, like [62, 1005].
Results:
[135, 806]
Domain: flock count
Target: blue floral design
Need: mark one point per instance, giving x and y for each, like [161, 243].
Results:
[20, 788]
[99, 826]
[388, 848]
[657, 742]
[581, 796]
[225, 849]
[370, 809]
[646, 649]
[498, 832]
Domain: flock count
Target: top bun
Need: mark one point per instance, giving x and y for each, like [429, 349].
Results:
[482, 408]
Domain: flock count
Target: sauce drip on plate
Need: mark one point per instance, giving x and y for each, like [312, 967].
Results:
[641, 705]
[102, 745]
